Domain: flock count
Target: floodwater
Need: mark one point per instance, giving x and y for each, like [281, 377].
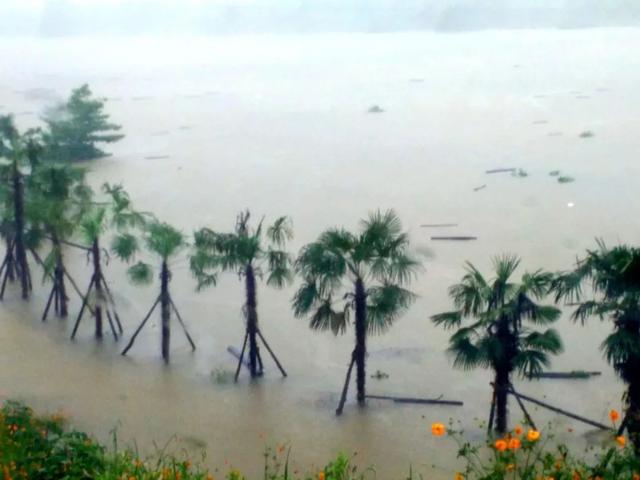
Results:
[279, 124]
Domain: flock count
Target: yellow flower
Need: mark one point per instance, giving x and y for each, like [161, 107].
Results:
[517, 430]
[510, 467]
[501, 445]
[438, 429]
[209, 476]
[459, 476]
[533, 435]
[621, 441]
[614, 415]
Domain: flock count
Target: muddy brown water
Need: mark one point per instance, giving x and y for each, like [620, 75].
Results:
[287, 132]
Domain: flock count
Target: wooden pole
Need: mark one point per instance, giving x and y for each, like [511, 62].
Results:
[113, 302]
[343, 397]
[133, 338]
[560, 411]
[84, 304]
[184, 327]
[244, 346]
[492, 411]
[46, 310]
[273, 355]
[524, 410]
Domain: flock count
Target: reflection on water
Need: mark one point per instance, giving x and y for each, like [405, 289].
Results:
[280, 125]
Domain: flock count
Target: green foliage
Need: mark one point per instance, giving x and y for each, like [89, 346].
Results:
[494, 335]
[217, 252]
[76, 126]
[613, 275]
[378, 256]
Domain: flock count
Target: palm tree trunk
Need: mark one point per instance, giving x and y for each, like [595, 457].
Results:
[58, 276]
[632, 416]
[97, 280]
[21, 252]
[361, 340]
[502, 387]
[165, 304]
[252, 319]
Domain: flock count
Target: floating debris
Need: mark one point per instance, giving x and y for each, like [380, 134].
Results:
[582, 97]
[540, 122]
[573, 374]
[375, 109]
[185, 127]
[481, 187]
[422, 401]
[554, 173]
[380, 375]
[587, 134]
[222, 376]
[554, 134]
[519, 173]
[140, 98]
[463, 238]
[565, 179]
[438, 225]
[157, 157]
[500, 170]
[416, 80]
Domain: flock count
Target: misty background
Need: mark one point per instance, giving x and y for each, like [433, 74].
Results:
[105, 17]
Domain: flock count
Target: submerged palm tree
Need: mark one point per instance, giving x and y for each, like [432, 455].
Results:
[19, 151]
[364, 273]
[494, 335]
[116, 212]
[58, 200]
[165, 242]
[613, 280]
[246, 253]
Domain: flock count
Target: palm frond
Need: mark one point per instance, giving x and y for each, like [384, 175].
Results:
[385, 304]
[140, 274]
[125, 246]
[280, 231]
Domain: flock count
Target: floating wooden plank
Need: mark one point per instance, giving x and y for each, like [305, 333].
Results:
[481, 187]
[157, 157]
[500, 170]
[438, 225]
[236, 353]
[576, 374]
[462, 238]
[420, 401]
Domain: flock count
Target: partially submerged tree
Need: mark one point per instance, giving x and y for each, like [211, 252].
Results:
[76, 126]
[165, 242]
[249, 254]
[612, 280]
[489, 319]
[19, 152]
[364, 273]
[58, 200]
[117, 212]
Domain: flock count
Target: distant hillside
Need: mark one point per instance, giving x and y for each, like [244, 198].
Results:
[67, 17]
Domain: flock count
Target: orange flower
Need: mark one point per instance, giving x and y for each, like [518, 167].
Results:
[187, 464]
[576, 476]
[459, 476]
[621, 441]
[517, 430]
[320, 475]
[209, 476]
[438, 429]
[614, 415]
[636, 476]
[501, 445]
[281, 449]
[533, 435]
[514, 444]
